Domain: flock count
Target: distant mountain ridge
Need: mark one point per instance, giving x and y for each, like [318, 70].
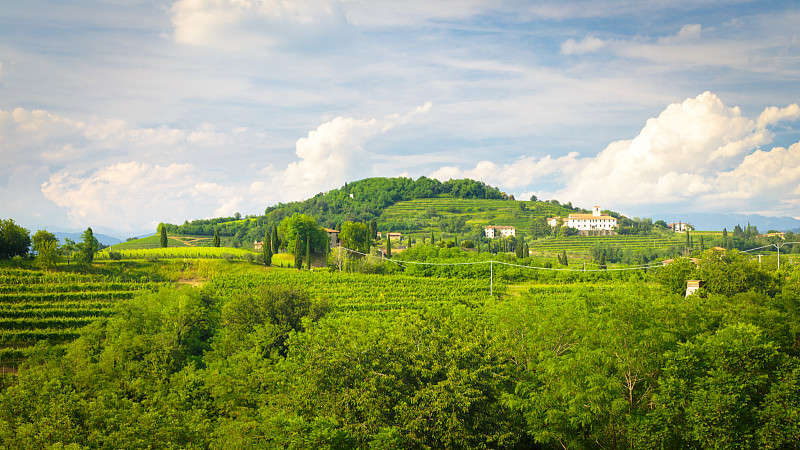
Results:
[716, 221]
[77, 237]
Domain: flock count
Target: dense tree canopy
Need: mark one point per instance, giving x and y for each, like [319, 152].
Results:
[14, 240]
[299, 228]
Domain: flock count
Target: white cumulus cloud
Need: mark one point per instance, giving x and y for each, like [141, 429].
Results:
[127, 196]
[699, 154]
[587, 45]
[678, 156]
[135, 194]
[334, 153]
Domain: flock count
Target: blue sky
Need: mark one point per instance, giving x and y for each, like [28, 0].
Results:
[122, 114]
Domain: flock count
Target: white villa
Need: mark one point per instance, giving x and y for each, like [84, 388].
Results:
[504, 231]
[681, 227]
[594, 223]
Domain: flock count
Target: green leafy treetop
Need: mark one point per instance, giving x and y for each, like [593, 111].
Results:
[88, 247]
[266, 249]
[14, 240]
[299, 227]
[163, 235]
[354, 236]
[45, 245]
[41, 238]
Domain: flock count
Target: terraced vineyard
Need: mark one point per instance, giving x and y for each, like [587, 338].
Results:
[150, 242]
[575, 245]
[179, 252]
[477, 213]
[36, 305]
[373, 294]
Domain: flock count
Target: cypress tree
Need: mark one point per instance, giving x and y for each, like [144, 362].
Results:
[368, 237]
[298, 257]
[216, 237]
[276, 241]
[266, 250]
[373, 229]
[388, 246]
[163, 231]
[308, 251]
[432, 239]
[702, 244]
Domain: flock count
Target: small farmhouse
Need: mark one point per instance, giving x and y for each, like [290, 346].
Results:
[333, 237]
[553, 221]
[500, 230]
[595, 223]
[257, 246]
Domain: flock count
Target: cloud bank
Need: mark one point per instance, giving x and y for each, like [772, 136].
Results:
[697, 155]
[136, 195]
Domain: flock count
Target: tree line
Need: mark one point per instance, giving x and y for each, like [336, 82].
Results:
[16, 242]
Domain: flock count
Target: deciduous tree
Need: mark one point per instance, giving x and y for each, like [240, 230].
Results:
[354, 236]
[45, 245]
[14, 240]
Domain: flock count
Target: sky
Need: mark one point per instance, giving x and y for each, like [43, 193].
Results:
[122, 114]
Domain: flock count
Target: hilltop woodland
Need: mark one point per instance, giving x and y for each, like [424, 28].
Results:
[451, 343]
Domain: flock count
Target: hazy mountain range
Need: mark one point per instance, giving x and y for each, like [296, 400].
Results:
[712, 221]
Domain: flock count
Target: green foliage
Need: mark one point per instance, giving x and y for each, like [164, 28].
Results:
[398, 361]
[731, 272]
[14, 240]
[162, 231]
[674, 275]
[46, 247]
[216, 237]
[298, 255]
[714, 388]
[299, 228]
[267, 314]
[88, 247]
[266, 250]
[354, 236]
[562, 258]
